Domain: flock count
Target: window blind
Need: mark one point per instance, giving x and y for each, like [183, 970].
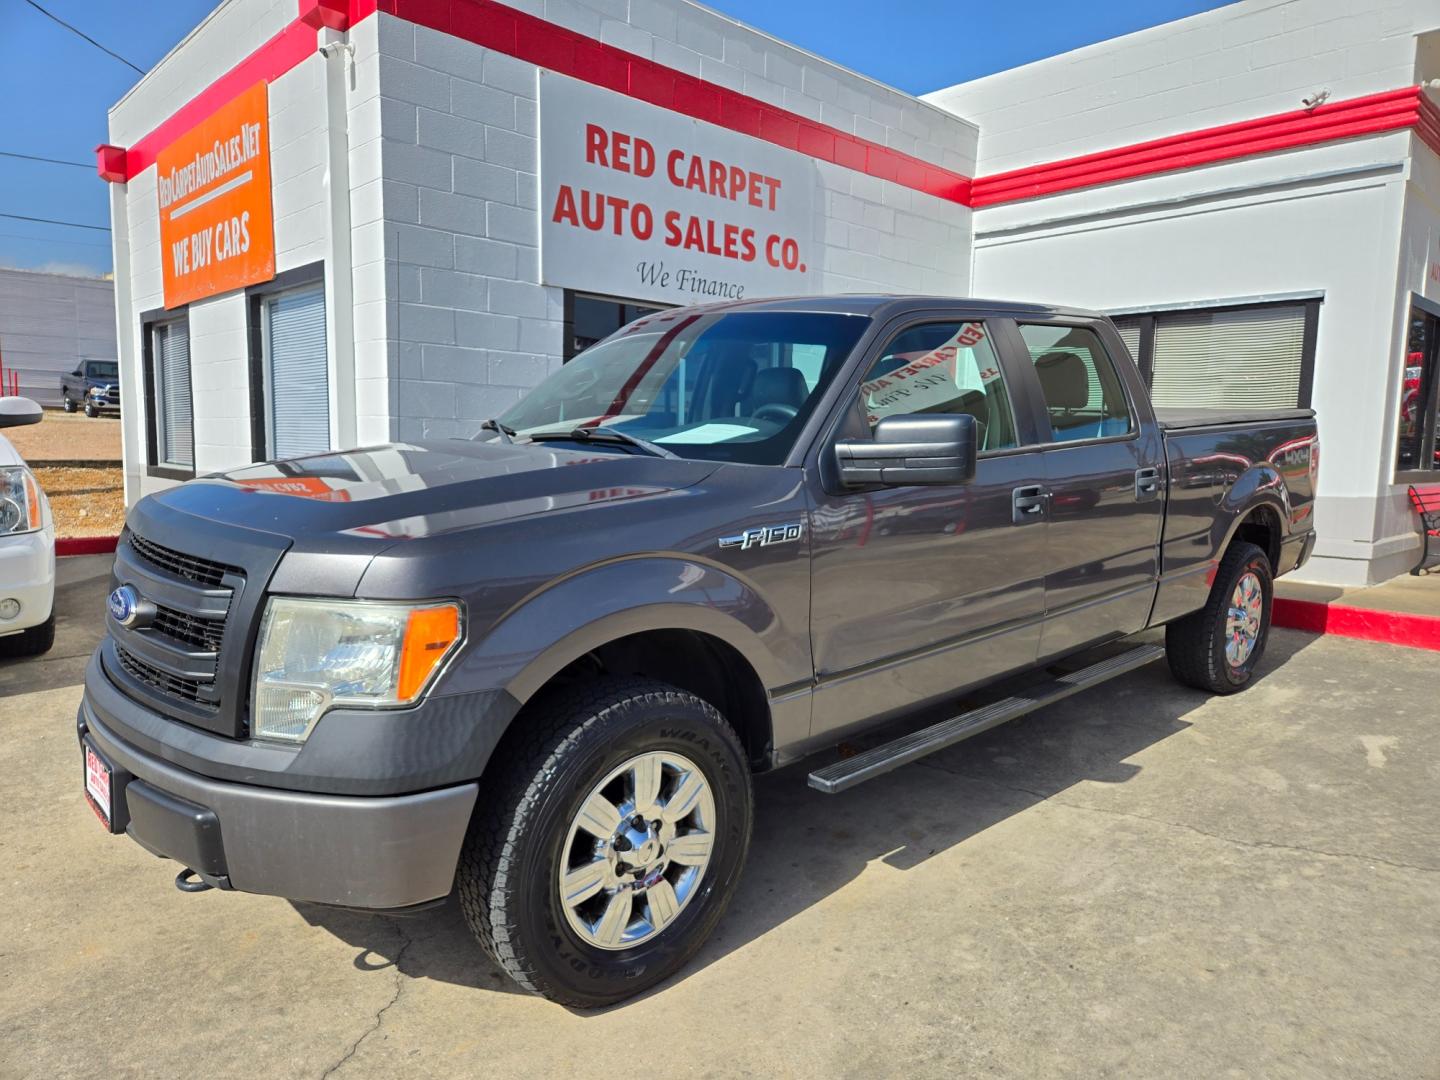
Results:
[176, 436]
[1241, 359]
[297, 374]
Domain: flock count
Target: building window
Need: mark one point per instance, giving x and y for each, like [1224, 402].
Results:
[170, 414]
[1416, 439]
[290, 367]
[1250, 356]
[589, 319]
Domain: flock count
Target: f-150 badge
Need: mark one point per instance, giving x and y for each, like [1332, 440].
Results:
[764, 536]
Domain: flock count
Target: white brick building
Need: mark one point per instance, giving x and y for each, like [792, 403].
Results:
[464, 193]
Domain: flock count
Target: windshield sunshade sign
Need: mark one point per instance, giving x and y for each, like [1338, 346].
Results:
[643, 202]
[216, 220]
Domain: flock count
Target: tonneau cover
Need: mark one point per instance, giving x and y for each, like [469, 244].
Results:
[1178, 418]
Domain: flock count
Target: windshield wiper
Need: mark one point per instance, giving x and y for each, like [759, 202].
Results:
[506, 434]
[606, 434]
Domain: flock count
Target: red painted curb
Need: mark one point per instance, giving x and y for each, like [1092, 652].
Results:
[86, 545]
[1365, 624]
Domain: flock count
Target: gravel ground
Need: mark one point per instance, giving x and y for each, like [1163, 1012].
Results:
[85, 502]
[68, 437]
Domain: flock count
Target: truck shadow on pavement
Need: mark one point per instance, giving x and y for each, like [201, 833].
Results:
[80, 587]
[808, 846]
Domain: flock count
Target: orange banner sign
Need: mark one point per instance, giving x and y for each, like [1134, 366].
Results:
[217, 229]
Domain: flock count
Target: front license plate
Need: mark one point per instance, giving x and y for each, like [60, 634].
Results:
[97, 786]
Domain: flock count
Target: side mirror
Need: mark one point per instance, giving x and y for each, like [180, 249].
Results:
[19, 411]
[77, 372]
[912, 449]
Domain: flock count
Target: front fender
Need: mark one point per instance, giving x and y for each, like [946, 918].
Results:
[548, 630]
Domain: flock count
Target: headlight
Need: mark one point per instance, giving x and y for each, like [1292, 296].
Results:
[315, 654]
[19, 501]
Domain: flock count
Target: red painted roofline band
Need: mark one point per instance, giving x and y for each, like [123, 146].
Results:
[526, 37]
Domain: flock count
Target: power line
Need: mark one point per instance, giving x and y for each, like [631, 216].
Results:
[48, 240]
[53, 221]
[50, 160]
[81, 33]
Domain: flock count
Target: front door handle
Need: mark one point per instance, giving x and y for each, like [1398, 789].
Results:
[1147, 484]
[1027, 504]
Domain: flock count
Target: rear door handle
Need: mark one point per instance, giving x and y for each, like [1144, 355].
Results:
[1147, 484]
[1027, 504]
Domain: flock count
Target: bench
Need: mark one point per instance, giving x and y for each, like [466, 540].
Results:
[1426, 501]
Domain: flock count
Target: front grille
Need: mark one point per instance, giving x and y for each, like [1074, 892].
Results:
[184, 689]
[191, 629]
[192, 567]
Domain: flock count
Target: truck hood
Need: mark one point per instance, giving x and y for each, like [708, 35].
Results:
[402, 491]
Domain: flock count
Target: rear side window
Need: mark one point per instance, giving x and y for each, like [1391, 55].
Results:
[1082, 389]
[946, 367]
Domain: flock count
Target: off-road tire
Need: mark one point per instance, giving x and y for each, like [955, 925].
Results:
[31, 642]
[1195, 645]
[564, 744]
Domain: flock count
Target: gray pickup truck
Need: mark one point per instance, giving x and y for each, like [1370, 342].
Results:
[542, 666]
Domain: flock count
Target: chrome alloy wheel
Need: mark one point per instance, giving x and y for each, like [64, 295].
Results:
[637, 849]
[1242, 624]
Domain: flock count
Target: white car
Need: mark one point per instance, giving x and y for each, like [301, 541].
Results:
[27, 545]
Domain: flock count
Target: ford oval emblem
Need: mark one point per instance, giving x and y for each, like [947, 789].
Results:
[124, 605]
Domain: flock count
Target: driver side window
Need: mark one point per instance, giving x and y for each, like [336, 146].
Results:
[944, 367]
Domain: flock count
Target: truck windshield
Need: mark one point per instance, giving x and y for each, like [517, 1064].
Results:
[730, 386]
[102, 369]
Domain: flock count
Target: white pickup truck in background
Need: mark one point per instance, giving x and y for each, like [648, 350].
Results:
[27, 545]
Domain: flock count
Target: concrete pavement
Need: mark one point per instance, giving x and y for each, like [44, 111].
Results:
[1141, 881]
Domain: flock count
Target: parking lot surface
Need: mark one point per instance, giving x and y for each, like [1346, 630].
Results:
[1140, 881]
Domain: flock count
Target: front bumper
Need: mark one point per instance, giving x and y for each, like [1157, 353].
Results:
[388, 852]
[27, 574]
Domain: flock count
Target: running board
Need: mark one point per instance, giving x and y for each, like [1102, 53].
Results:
[848, 772]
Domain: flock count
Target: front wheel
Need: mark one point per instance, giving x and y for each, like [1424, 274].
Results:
[611, 841]
[91, 411]
[1218, 647]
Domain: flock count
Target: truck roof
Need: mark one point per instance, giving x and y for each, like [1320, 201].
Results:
[877, 305]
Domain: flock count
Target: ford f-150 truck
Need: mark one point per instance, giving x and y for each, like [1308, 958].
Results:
[540, 667]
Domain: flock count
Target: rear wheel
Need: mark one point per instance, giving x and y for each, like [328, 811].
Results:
[611, 843]
[31, 642]
[1218, 647]
[70, 405]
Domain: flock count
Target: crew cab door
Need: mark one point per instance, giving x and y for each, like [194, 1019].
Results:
[1103, 463]
[918, 591]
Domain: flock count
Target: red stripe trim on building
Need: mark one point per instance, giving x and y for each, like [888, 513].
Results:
[526, 37]
[1389, 111]
[567, 52]
[1366, 624]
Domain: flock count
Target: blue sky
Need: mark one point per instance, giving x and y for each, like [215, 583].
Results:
[56, 88]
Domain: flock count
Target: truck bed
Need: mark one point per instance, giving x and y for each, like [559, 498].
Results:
[1180, 418]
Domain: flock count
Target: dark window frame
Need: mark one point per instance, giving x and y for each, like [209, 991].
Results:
[1430, 430]
[149, 321]
[568, 351]
[255, 297]
[1310, 334]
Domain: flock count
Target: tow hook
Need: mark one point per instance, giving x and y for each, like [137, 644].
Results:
[188, 881]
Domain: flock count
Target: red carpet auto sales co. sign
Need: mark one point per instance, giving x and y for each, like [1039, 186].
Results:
[643, 202]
